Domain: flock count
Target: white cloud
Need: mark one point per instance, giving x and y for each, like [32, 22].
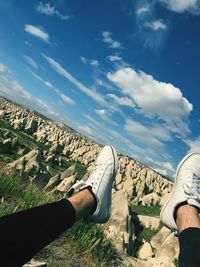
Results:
[114, 58]
[194, 145]
[94, 62]
[103, 113]
[85, 129]
[63, 72]
[149, 135]
[152, 31]
[47, 9]
[168, 166]
[4, 68]
[163, 167]
[27, 43]
[37, 32]
[99, 130]
[156, 25]
[83, 60]
[65, 98]
[131, 148]
[161, 171]
[11, 89]
[115, 138]
[107, 38]
[123, 101]
[141, 10]
[181, 6]
[31, 61]
[154, 98]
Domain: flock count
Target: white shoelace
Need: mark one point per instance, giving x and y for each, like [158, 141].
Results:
[193, 192]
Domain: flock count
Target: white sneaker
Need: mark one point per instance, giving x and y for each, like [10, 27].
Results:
[101, 181]
[186, 189]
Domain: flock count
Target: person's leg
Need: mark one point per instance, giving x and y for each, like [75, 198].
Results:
[25, 233]
[188, 224]
[181, 211]
[187, 216]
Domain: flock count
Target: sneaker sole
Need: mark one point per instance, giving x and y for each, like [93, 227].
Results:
[177, 170]
[115, 157]
[115, 160]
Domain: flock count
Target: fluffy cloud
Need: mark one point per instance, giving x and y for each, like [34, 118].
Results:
[94, 63]
[141, 10]
[11, 89]
[123, 101]
[85, 129]
[83, 60]
[154, 98]
[103, 113]
[4, 69]
[27, 43]
[65, 98]
[47, 9]
[37, 32]
[125, 145]
[63, 72]
[168, 166]
[164, 167]
[152, 31]
[114, 58]
[156, 25]
[149, 135]
[194, 145]
[181, 6]
[107, 38]
[31, 61]
[115, 138]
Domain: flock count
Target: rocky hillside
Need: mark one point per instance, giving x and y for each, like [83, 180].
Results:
[55, 156]
[136, 179]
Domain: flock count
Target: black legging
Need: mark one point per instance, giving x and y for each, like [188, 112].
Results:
[25, 233]
[189, 241]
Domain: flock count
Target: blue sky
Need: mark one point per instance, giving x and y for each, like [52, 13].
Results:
[122, 72]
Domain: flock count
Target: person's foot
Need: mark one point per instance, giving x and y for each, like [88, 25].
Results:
[186, 189]
[100, 184]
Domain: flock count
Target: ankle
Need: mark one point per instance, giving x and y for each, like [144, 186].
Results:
[187, 216]
[84, 203]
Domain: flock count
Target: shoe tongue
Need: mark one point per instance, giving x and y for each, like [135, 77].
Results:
[193, 192]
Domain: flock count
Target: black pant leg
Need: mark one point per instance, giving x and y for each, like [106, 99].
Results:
[25, 233]
[189, 241]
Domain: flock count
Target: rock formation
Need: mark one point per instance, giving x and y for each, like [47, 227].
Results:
[120, 227]
[141, 183]
[135, 183]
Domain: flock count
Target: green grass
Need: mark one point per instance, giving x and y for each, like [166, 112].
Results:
[23, 138]
[142, 233]
[18, 195]
[84, 238]
[93, 240]
[146, 210]
[176, 263]
[81, 170]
